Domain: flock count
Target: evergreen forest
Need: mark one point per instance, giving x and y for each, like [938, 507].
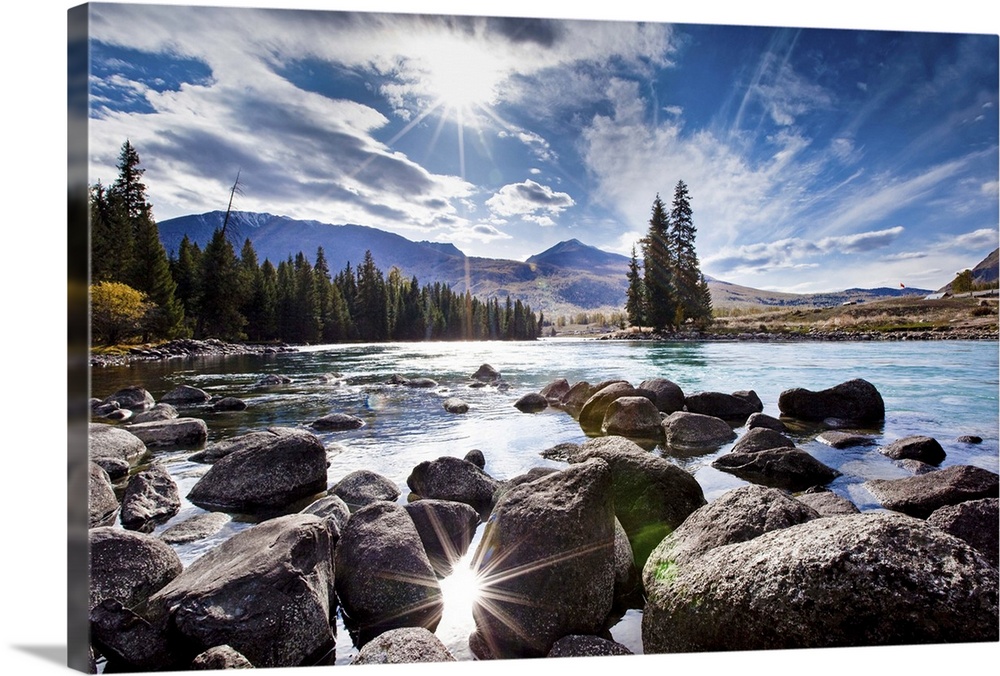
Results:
[138, 291]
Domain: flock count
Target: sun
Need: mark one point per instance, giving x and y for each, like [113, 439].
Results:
[461, 77]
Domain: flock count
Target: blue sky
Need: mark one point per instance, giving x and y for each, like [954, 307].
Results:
[816, 159]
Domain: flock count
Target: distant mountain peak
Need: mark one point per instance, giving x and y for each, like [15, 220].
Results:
[572, 253]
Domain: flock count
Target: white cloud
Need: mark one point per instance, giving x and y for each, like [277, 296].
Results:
[527, 198]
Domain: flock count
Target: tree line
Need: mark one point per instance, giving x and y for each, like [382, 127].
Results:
[668, 289]
[138, 290]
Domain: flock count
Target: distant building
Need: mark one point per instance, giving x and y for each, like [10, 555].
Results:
[938, 296]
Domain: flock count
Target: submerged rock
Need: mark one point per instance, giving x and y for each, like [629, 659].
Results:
[186, 394]
[455, 405]
[531, 403]
[337, 422]
[917, 447]
[229, 404]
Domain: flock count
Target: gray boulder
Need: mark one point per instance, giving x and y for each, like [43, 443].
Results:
[686, 431]
[476, 457]
[789, 468]
[337, 422]
[128, 566]
[722, 405]
[449, 478]
[421, 383]
[857, 401]
[633, 417]
[127, 641]
[577, 396]
[486, 374]
[577, 645]
[668, 396]
[859, 580]
[195, 528]
[116, 468]
[455, 405]
[652, 496]
[546, 561]
[445, 528]
[151, 497]
[133, 398]
[108, 441]
[406, 645]
[267, 592]
[260, 439]
[272, 379]
[220, 657]
[592, 414]
[101, 500]
[839, 439]
[384, 579]
[917, 447]
[363, 487]
[229, 404]
[761, 439]
[161, 411]
[263, 478]
[330, 507]
[763, 420]
[555, 391]
[531, 403]
[826, 502]
[186, 394]
[920, 495]
[974, 521]
[170, 433]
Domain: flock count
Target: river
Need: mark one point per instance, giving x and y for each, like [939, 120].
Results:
[942, 389]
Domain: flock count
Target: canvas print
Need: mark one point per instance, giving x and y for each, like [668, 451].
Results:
[421, 338]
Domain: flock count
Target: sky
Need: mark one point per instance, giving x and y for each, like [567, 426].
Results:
[816, 159]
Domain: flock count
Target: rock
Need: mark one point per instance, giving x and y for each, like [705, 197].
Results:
[264, 477]
[628, 578]
[924, 449]
[115, 467]
[108, 441]
[561, 452]
[229, 404]
[739, 515]
[576, 645]
[975, 522]
[592, 414]
[151, 497]
[445, 528]
[826, 502]
[476, 457]
[550, 543]
[99, 408]
[272, 379]
[633, 417]
[525, 478]
[789, 468]
[260, 439]
[127, 641]
[531, 403]
[220, 657]
[855, 400]
[916, 466]
[763, 420]
[267, 592]
[685, 430]
[195, 528]
[577, 396]
[722, 405]
[128, 567]
[333, 508]
[969, 439]
[652, 496]
[486, 374]
[406, 645]
[455, 405]
[555, 391]
[761, 439]
[337, 422]
[185, 394]
[422, 383]
[170, 433]
[363, 487]
[751, 398]
[102, 503]
[449, 478]
[838, 439]
[859, 580]
[134, 398]
[119, 415]
[920, 495]
[384, 579]
[396, 379]
[161, 411]
[668, 396]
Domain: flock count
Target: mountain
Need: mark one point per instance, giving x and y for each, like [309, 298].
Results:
[574, 254]
[985, 272]
[728, 295]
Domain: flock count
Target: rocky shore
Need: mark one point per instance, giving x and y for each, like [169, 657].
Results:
[967, 333]
[781, 562]
[184, 347]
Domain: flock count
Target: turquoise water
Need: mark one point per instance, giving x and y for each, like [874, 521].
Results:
[942, 389]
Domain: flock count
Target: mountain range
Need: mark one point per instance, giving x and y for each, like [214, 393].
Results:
[566, 279]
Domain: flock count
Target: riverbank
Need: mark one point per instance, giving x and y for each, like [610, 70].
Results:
[180, 348]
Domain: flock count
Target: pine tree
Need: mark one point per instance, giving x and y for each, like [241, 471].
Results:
[688, 280]
[370, 311]
[658, 265]
[636, 293]
[220, 315]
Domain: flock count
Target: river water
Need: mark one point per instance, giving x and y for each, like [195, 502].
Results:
[942, 389]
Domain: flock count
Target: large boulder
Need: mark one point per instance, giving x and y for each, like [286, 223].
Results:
[763, 420]
[555, 391]
[151, 497]
[446, 528]
[975, 521]
[331, 507]
[263, 478]
[782, 467]
[267, 592]
[337, 422]
[101, 500]
[916, 447]
[134, 398]
[826, 502]
[725, 406]
[857, 401]
[229, 404]
[161, 411]
[592, 414]
[546, 562]
[186, 394]
[108, 441]
[128, 566]
[450, 478]
[127, 641]
[173, 432]
[384, 579]
[652, 496]
[577, 645]
[633, 417]
[761, 439]
[738, 515]
[195, 528]
[920, 495]
[260, 439]
[486, 374]
[363, 487]
[532, 402]
[859, 580]
[667, 395]
[577, 396]
[406, 645]
[455, 405]
[689, 431]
